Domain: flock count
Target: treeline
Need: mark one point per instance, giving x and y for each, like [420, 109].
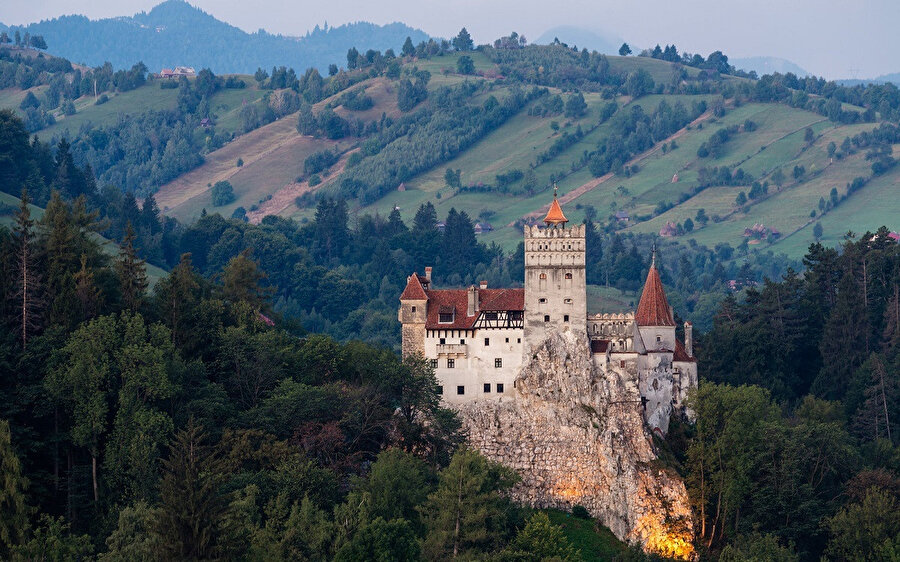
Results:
[814, 442]
[429, 137]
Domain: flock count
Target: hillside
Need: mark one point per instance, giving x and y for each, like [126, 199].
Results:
[647, 193]
[174, 33]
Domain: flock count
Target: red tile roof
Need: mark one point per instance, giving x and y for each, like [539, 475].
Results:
[653, 310]
[555, 214]
[681, 354]
[457, 301]
[414, 289]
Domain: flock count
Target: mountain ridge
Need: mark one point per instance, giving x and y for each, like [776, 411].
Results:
[176, 33]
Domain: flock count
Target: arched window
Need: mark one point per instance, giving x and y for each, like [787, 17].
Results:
[543, 275]
[568, 275]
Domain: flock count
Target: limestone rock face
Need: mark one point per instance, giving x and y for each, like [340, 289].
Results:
[576, 436]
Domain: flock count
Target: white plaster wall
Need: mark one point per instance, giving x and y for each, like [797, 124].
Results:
[476, 367]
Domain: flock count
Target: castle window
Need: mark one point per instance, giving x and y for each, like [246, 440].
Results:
[443, 341]
[498, 363]
[500, 387]
[490, 315]
[546, 318]
[569, 301]
[445, 317]
[440, 390]
[462, 342]
[413, 308]
[434, 363]
[487, 341]
[622, 364]
[487, 387]
[507, 340]
[568, 275]
[518, 340]
[460, 390]
[451, 363]
[565, 318]
[542, 300]
[543, 275]
[658, 339]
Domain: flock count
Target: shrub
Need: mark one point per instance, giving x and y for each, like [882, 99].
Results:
[580, 512]
[102, 99]
[222, 193]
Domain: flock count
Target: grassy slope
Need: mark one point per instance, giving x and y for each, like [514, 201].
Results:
[9, 205]
[225, 104]
[596, 543]
[274, 154]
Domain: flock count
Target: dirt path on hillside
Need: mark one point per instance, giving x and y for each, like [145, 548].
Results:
[594, 183]
[221, 164]
[284, 197]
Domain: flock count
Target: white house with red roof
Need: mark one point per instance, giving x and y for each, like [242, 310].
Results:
[477, 339]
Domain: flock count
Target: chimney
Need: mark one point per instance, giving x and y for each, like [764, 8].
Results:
[484, 284]
[473, 301]
[689, 338]
[428, 274]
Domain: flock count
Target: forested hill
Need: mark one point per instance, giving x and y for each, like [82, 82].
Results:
[175, 33]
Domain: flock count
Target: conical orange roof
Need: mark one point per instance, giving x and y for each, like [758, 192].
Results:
[555, 214]
[414, 289]
[653, 310]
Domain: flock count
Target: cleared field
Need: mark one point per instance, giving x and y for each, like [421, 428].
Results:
[273, 157]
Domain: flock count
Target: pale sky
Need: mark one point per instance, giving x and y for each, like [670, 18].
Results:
[835, 39]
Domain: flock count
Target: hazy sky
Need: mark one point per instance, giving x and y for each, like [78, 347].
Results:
[835, 39]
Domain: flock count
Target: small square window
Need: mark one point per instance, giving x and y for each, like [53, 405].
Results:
[434, 363]
[442, 341]
[413, 308]
[460, 390]
[440, 390]
[565, 317]
[487, 387]
[518, 340]
[658, 339]
[487, 341]
[622, 364]
[498, 363]
[543, 275]
[499, 387]
[507, 340]
[546, 318]
[462, 342]
[451, 363]
[568, 275]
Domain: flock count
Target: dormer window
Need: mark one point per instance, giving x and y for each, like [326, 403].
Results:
[445, 318]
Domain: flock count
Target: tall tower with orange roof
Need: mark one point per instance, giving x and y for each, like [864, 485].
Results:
[555, 282]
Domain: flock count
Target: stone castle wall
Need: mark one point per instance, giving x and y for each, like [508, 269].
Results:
[576, 435]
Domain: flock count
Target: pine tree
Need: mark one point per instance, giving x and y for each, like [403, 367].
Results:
[27, 290]
[13, 511]
[192, 524]
[176, 296]
[882, 397]
[466, 512]
[131, 272]
[86, 291]
[408, 48]
[241, 282]
[843, 343]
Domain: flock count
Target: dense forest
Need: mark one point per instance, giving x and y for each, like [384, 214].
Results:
[251, 404]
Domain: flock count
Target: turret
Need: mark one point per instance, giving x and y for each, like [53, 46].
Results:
[654, 315]
[412, 315]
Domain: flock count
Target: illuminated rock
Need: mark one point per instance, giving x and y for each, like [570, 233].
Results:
[576, 435]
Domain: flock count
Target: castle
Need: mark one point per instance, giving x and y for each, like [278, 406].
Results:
[478, 339]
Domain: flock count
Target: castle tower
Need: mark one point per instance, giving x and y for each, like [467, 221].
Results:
[654, 315]
[413, 314]
[555, 284]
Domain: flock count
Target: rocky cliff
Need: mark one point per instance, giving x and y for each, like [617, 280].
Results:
[576, 435]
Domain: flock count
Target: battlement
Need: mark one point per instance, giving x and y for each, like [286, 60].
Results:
[535, 231]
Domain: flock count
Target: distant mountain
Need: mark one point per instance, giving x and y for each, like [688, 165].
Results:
[894, 78]
[581, 37]
[768, 65]
[175, 33]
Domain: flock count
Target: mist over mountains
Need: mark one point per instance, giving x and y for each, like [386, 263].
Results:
[175, 33]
